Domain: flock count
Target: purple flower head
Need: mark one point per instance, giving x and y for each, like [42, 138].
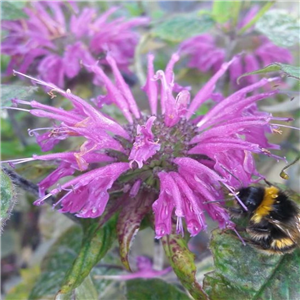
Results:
[207, 52]
[168, 162]
[54, 41]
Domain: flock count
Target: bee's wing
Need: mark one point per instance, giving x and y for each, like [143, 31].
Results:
[292, 229]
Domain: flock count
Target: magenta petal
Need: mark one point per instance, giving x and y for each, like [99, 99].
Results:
[74, 56]
[52, 69]
[194, 167]
[48, 140]
[150, 87]
[84, 108]
[144, 145]
[113, 93]
[163, 207]
[123, 87]
[233, 105]
[96, 182]
[207, 90]
[63, 170]
[192, 210]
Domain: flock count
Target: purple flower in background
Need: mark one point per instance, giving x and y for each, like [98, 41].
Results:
[53, 42]
[170, 160]
[207, 53]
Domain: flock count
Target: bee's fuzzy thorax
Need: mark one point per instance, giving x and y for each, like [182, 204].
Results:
[266, 205]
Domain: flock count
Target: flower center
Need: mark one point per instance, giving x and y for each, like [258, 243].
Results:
[168, 143]
[174, 141]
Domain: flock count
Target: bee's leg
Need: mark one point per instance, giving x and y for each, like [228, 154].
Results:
[236, 212]
[241, 229]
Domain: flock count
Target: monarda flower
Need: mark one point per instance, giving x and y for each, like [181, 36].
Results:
[52, 44]
[168, 162]
[207, 52]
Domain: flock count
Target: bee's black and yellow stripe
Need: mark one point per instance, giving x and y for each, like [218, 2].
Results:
[266, 205]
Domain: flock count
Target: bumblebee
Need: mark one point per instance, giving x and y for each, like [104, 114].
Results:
[273, 218]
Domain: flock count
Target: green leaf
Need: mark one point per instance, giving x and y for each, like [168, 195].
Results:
[261, 12]
[22, 290]
[96, 242]
[280, 27]
[156, 14]
[8, 198]
[14, 149]
[242, 272]
[181, 27]
[4, 58]
[140, 289]
[135, 9]
[110, 265]
[183, 264]
[129, 222]
[13, 10]
[59, 259]
[86, 290]
[18, 4]
[290, 71]
[223, 10]
[11, 91]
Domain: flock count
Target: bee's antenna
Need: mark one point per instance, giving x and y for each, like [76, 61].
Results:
[285, 175]
[241, 184]
[267, 182]
[220, 200]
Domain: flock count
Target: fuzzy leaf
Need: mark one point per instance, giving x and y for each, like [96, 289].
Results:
[223, 10]
[96, 242]
[139, 289]
[107, 288]
[280, 27]
[11, 91]
[288, 70]
[129, 222]
[181, 27]
[86, 290]
[12, 10]
[22, 289]
[59, 259]
[242, 272]
[182, 262]
[8, 198]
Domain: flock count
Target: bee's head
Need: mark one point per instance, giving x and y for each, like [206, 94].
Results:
[251, 196]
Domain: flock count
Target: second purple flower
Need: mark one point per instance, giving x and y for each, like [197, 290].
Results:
[54, 41]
